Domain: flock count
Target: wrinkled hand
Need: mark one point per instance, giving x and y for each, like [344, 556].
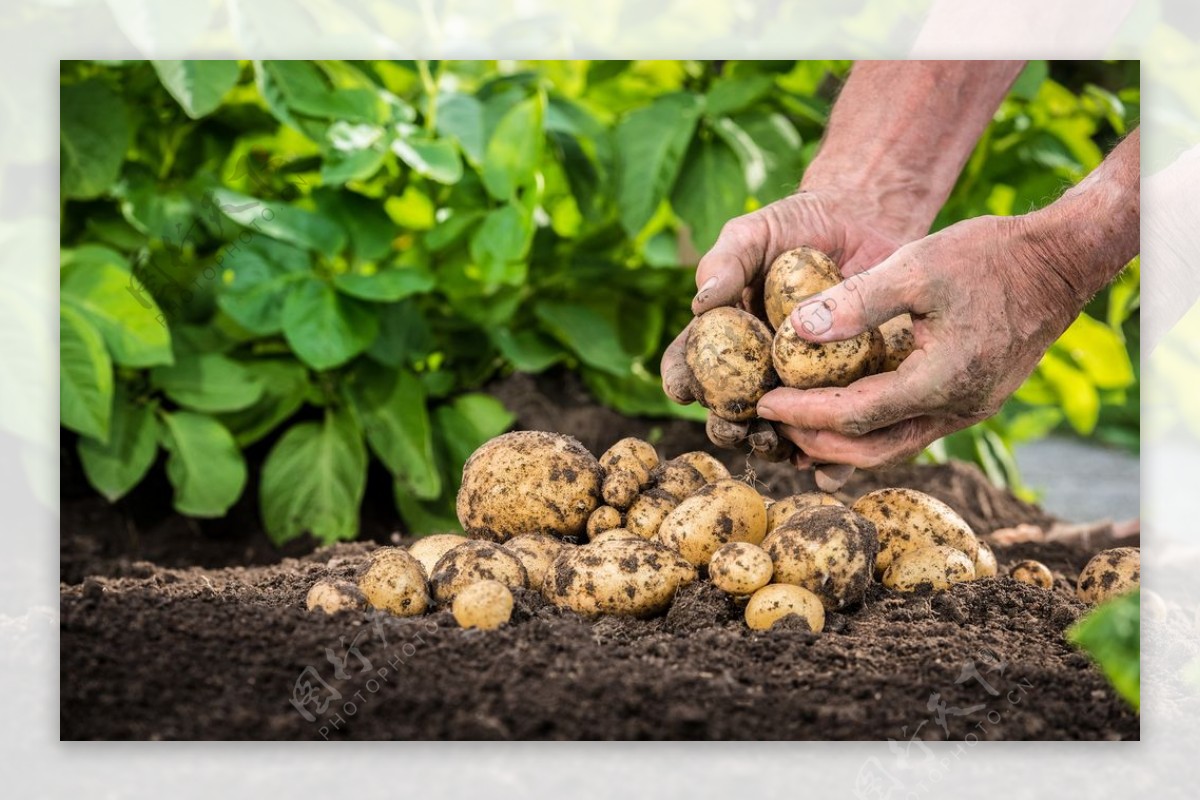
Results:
[986, 303]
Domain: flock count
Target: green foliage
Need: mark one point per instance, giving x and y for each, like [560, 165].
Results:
[329, 260]
[1111, 635]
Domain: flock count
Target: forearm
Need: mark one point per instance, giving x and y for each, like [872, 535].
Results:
[900, 133]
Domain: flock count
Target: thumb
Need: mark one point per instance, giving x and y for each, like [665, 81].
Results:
[731, 264]
[863, 301]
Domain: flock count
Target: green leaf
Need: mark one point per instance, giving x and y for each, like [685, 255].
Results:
[750, 155]
[514, 149]
[93, 134]
[1076, 394]
[1111, 634]
[294, 90]
[780, 145]
[285, 384]
[501, 245]
[253, 289]
[324, 328]
[204, 464]
[118, 466]
[387, 285]
[1031, 79]
[208, 382]
[651, 143]
[121, 309]
[313, 481]
[710, 191]
[467, 422]
[156, 210]
[460, 116]
[85, 376]
[1099, 351]
[370, 229]
[638, 394]
[526, 349]
[198, 86]
[592, 332]
[436, 159]
[391, 408]
[282, 221]
[730, 95]
[404, 335]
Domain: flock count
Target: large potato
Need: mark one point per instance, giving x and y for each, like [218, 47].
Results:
[727, 511]
[648, 512]
[428, 550]
[898, 342]
[936, 567]
[706, 464]
[627, 465]
[907, 519]
[395, 582]
[618, 577]
[740, 568]
[475, 561]
[774, 602]
[729, 354]
[779, 512]
[1109, 574]
[536, 552]
[528, 482]
[805, 365]
[829, 550]
[794, 276]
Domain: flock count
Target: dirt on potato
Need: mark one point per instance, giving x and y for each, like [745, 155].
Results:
[162, 637]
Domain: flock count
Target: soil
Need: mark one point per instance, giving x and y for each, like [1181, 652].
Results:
[172, 630]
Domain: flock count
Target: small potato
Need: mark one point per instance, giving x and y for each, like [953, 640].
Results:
[335, 596]
[475, 561]
[395, 582]
[794, 276]
[604, 518]
[706, 464]
[614, 534]
[677, 478]
[740, 568]
[627, 465]
[620, 488]
[727, 511]
[428, 550]
[779, 512]
[898, 342]
[536, 552]
[985, 561]
[1031, 571]
[618, 577]
[907, 519]
[483, 605]
[936, 567]
[801, 364]
[729, 354]
[829, 550]
[648, 512]
[774, 602]
[1109, 574]
[527, 482]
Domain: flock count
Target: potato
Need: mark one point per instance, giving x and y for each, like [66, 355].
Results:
[647, 513]
[774, 602]
[536, 552]
[898, 342]
[677, 478]
[604, 518]
[727, 511]
[475, 561]
[936, 567]
[804, 365]
[483, 605]
[779, 511]
[985, 561]
[619, 577]
[706, 464]
[740, 568]
[528, 482]
[828, 550]
[428, 550]
[627, 465]
[1031, 571]
[394, 581]
[907, 519]
[794, 276]
[1109, 574]
[729, 354]
[335, 596]
[615, 534]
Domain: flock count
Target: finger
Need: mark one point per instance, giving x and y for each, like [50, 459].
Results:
[731, 264]
[882, 448]
[766, 444]
[725, 433]
[676, 377]
[832, 477]
[863, 301]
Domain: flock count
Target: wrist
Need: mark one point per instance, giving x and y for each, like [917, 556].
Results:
[899, 206]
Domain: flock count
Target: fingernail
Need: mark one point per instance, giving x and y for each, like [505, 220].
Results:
[709, 284]
[766, 412]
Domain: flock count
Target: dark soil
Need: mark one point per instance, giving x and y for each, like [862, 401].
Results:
[161, 650]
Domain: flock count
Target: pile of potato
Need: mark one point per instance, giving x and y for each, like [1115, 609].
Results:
[654, 526]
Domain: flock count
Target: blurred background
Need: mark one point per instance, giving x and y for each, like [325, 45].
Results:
[282, 280]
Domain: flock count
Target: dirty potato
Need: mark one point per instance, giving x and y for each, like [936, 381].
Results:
[779, 511]
[907, 519]
[729, 355]
[794, 276]
[648, 512]
[774, 602]
[1031, 571]
[395, 582]
[740, 568]
[936, 567]
[475, 561]
[536, 552]
[898, 342]
[727, 511]
[1109, 574]
[985, 561]
[829, 550]
[604, 518]
[428, 550]
[618, 577]
[483, 605]
[801, 364]
[528, 481]
[627, 465]
[677, 478]
[615, 534]
[335, 596]
[706, 464]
